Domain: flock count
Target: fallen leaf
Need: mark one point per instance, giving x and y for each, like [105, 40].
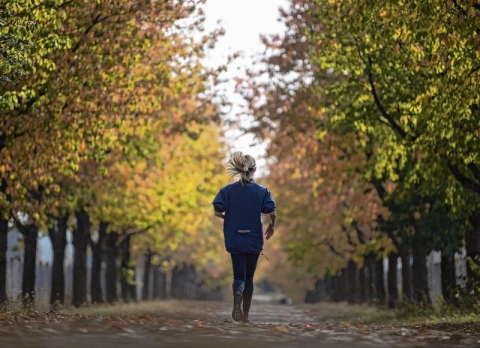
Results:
[128, 330]
[281, 329]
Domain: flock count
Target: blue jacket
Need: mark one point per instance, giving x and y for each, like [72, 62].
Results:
[243, 206]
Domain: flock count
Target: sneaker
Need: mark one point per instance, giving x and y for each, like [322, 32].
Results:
[245, 317]
[237, 313]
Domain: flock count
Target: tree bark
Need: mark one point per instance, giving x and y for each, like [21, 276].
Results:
[58, 237]
[175, 281]
[364, 294]
[379, 282]
[407, 276]
[30, 236]
[370, 270]
[132, 286]
[4, 217]
[328, 287]
[125, 257]
[146, 275]
[179, 282]
[80, 243]
[97, 253]
[159, 284]
[343, 285]
[331, 288]
[318, 293]
[321, 290]
[420, 276]
[3, 260]
[156, 283]
[392, 280]
[352, 282]
[336, 288]
[123, 285]
[127, 272]
[472, 246]
[111, 269]
[449, 279]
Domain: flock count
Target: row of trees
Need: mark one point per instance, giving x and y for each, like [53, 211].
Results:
[114, 132]
[371, 113]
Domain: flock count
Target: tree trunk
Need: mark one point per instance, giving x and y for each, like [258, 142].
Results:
[352, 282]
[392, 280]
[336, 287]
[30, 236]
[97, 252]
[4, 216]
[178, 283]
[192, 285]
[111, 263]
[330, 288]
[318, 293]
[420, 276]
[449, 279]
[146, 275]
[123, 284]
[155, 283]
[370, 270]
[127, 272]
[407, 276]
[3, 260]
[132, 286]
[159, 284]
[472, 246]
[80, 243]
[364, 294]
[379, 282]
[344, 285]
[125, 257]
[174, 283]
[58, 237]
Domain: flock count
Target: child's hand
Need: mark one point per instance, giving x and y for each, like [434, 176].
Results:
[269, 232]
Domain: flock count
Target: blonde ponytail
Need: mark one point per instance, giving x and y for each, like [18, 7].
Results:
[243, 165]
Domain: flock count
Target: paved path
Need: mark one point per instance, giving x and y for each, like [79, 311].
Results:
[207, 324]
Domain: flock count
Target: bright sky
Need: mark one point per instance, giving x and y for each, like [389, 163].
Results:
[244, 21]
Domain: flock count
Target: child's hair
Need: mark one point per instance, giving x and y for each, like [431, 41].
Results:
[243, 165]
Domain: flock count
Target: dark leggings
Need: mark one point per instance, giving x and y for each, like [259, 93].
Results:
[244, 266]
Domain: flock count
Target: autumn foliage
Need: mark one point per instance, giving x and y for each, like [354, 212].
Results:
[113, 133]
[370, 111]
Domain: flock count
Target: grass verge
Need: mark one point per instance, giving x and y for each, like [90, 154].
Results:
[412, 315]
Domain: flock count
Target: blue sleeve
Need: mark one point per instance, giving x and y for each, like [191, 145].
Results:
[268, 204]
[219, 202]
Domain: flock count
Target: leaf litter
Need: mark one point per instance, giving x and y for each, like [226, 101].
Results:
[175, 329]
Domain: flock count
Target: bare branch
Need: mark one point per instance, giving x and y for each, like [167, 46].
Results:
[349, 237]
[333, 250]
[360, 232]
[475, 170]
[380, 106]
[390, 233]
[382, 192]
[466, 182]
